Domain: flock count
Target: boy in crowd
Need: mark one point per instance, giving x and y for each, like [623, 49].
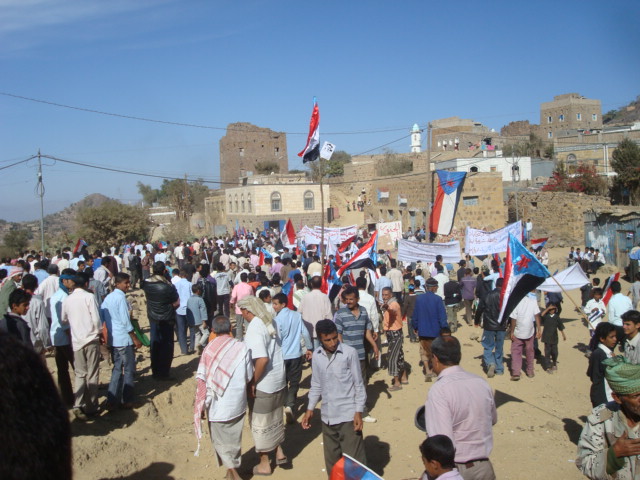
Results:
[438, 455]
[197, 316]
[631, 325]
[551, 323]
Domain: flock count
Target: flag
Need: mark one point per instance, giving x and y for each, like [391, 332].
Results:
[348, 468]
[447, 195]
[538, 243]
[607, 294]
[79, 245]
[311, 150]
[262, 255]
[331, 282]
[523, 272]
[570, 279]
[288, 235]
[367, 256]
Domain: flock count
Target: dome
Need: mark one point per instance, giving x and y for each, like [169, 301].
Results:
[415, 128]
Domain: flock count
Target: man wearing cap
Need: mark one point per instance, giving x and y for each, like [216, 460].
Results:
[428, 319]
[610, 441]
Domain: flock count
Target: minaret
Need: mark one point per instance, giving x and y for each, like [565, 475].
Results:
[416, 139]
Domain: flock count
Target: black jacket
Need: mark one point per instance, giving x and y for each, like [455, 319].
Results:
[160, 299]
[490, 306]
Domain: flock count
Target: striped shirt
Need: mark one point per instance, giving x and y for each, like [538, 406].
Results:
[353, 329]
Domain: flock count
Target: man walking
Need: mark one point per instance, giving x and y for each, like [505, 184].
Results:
[60, 338]
[80, 311]
[336, 378]
[290, 330]
[494, 332]
[525, 327]
[315, 306]
[354, 327]
[428, 319]
[162, 301]
[461, 406]
[123, 342]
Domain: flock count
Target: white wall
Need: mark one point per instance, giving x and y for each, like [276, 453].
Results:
[490, 164]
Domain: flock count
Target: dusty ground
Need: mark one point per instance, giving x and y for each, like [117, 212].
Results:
[539, 421]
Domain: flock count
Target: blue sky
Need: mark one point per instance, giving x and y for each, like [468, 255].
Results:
[372, 65]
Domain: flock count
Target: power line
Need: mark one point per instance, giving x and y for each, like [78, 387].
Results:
[182, 124]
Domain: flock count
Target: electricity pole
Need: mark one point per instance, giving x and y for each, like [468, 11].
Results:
[40, 193]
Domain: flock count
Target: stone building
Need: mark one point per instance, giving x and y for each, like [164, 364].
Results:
[569, 111]
[407, 196]
[559, 215]
[245, 146]
[266, 199]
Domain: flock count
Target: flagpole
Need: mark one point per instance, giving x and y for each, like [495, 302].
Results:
[578, 309]
[322, 249]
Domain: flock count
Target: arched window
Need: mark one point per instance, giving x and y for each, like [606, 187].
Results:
[237, 206]
[249, 202]
[308, 200]
[276, 202]
[230, 204]
[242, 200]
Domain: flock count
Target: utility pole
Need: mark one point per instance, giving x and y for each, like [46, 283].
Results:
[40, 193]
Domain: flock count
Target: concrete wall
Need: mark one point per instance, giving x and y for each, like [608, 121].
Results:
[502, 165]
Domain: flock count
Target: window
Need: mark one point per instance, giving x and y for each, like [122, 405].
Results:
[308, 200]
[276, 150]
[578, 116]
[549, 119]
[237, 207]
[550, 135]
[561, 117]
[276, 202]
[230, 205]
[249, 203]
[241, 152]
[439, 143]
[493, 168]
[470, 201]
[242, 199]
[594, 117]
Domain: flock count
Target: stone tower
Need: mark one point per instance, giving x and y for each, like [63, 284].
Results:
[416, 139]
[246, 146]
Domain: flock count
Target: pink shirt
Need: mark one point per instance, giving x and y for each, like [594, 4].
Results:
[241, 290]
[315, 306]
[461, 406]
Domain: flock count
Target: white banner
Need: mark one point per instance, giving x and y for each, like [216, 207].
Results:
[479, 242]
[414, 251]
[334, 235]
[570, 279]
[393, 229]
[327, 150]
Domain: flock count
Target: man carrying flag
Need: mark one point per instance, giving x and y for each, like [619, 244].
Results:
[523, 273]
[366, 257]
[538, 243]
[288, 235]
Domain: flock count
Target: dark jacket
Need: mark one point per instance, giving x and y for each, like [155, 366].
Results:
[596, 374]
[490, 306]
[160, 299]
[17, 328]
[452, 293]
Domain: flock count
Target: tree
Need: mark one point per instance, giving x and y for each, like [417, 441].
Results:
[266, 167]
[331, 168]
[584, 180]
[185, 197]
[112, 223]
[149, 194]
[625, 160]
[17, 240]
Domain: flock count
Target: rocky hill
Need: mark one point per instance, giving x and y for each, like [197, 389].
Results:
[62, 223]
[624, 115]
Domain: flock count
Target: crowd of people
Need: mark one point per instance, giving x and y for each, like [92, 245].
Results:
[256, 312]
